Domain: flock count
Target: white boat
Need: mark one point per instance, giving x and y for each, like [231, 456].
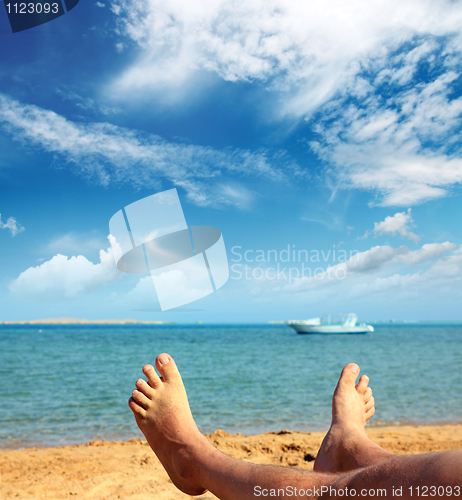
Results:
[316, 325]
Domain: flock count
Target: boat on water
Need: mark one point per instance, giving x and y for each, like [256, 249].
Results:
[347, 324]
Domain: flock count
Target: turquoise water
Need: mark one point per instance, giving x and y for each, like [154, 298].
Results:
[71, 384]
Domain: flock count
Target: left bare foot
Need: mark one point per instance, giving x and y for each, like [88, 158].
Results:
[347, 446]
[162, 413]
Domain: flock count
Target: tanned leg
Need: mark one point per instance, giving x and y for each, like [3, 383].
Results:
[162, 412]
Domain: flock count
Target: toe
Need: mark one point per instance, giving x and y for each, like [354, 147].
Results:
[362, 384]
[167, 367]
[370, 413]
[136, 408]
[367, 395]
[141, 399]
[145, 388]
[151, 375]
[369, 404]
[348, 376]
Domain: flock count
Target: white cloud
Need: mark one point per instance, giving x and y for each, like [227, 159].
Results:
[396, 224]
[65, 277]
[108, 155]
[142, 296]
[376, 79]
[327, 218]
[402, 143]
[12, 224]
[370, 262]
[240, 196]
[381, 279]
[99, 4]
[281, 42]
[73, 243]
[85, 103]
[444, 276]
[427, 252]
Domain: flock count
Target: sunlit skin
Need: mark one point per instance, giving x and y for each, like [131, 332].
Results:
[347, 458]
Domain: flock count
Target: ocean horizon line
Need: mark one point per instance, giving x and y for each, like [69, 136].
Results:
[134, 322]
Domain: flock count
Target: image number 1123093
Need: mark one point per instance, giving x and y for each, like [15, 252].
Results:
[26, 15]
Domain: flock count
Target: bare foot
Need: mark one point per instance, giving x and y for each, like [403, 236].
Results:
[346, 445]
[162, 413]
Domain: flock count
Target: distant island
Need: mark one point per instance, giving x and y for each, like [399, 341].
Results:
[75, 321]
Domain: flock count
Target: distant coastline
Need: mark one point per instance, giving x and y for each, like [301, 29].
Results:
[76, 321]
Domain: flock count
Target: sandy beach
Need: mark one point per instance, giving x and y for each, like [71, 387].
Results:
[128, 469]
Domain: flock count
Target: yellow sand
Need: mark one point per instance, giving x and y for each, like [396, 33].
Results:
[128, 469]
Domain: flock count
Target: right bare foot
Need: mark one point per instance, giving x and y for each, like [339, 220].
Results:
[346, 445]
[162, 413]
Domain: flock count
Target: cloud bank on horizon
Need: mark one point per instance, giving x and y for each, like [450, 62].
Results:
[363, 274]
[65, 278]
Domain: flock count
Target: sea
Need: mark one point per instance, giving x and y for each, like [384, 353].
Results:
[66, 384]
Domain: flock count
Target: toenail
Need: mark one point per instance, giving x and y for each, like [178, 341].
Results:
[163, 359]
[354, 369]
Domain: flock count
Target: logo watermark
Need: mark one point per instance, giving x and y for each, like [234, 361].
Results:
[26, 15]
[332, 492]
[185, 263]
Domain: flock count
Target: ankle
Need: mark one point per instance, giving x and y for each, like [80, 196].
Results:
[194, 460]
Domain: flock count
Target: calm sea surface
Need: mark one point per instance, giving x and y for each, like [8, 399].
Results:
[61, 385]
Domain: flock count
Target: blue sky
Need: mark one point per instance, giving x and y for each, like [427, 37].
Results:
[319, 126]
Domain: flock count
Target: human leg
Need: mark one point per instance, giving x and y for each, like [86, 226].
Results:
[162, 412]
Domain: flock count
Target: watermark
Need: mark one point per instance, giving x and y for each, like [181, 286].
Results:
[290, 264]
[291, 254]
[26, 15]
[185, 263]
[332, 492]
